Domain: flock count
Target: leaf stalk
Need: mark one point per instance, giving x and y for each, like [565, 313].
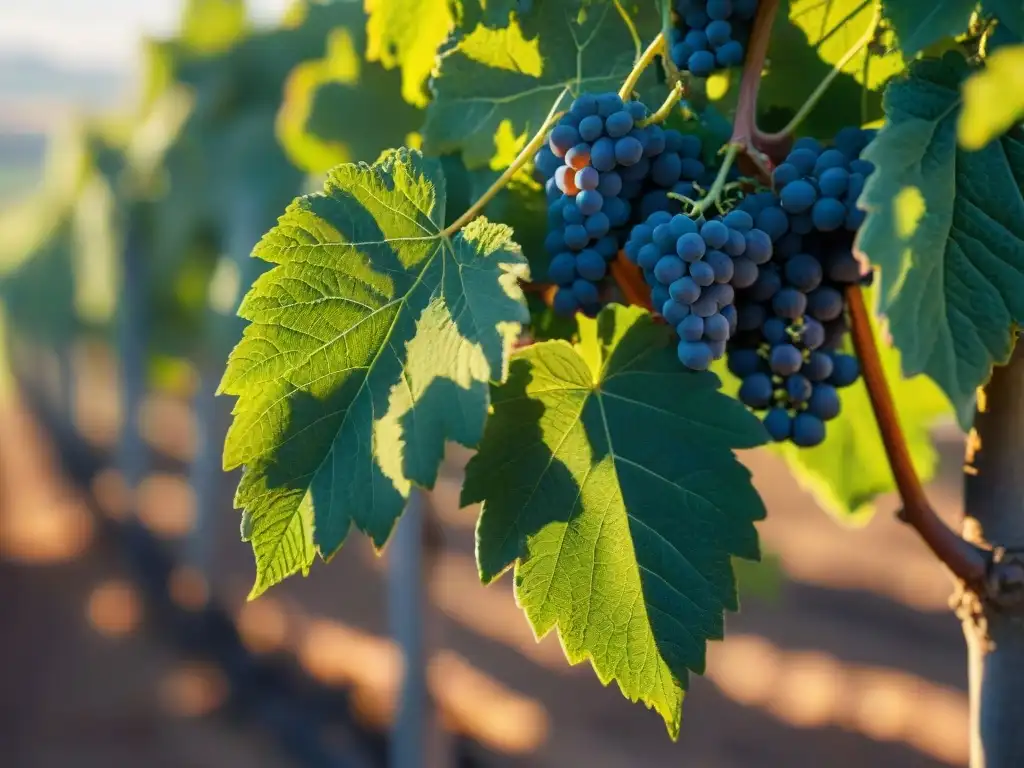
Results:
[712, 197]
[502, 181]
[657, 46]
[666, 108]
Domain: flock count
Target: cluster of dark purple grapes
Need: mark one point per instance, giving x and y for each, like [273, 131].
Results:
[694, 268]
[711, 34]
[603, 172]
[791, 321]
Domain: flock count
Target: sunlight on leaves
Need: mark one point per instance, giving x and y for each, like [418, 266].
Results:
[993, 98]
[315, 123]
[371, 343]
[950, 253]
[808, 38]
[512, 67]
[406, 34]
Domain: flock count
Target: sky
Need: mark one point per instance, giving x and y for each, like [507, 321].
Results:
[103, 33]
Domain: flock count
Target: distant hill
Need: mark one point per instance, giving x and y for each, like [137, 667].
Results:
[36, 94]
[26, 77]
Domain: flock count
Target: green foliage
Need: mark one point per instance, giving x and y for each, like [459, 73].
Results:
[407, 34]
[520, 204]
[920, 23]
[57, 248]
[810, 37]
[327, 101]
[374, 334]
[607, 475]
[946, 228]
[36, 275]
[993, 98]
[1010, 15]
[370, 344]
[499, 80]
[213, 26]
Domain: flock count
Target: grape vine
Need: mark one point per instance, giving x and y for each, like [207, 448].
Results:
[605, 465]
[626, 240]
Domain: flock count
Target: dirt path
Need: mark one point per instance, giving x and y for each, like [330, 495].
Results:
[855, 663]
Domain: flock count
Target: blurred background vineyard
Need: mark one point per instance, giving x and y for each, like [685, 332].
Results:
[135, 178]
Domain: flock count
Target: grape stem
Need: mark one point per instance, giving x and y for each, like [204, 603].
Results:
[711, 198]
[966, 561]
[628, 21]
[666, 108]
[823, 86]
[657, 46]
[522, 159]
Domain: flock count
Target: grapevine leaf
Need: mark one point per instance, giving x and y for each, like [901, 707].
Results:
[315, 123]
[1010, 14]
[946, 228]
[808, 38]
[993, 98]
[371, 343]
[607, 475]
[407, 34]
[547, 324]
[520, 204]
[919, 23]
[497, 83]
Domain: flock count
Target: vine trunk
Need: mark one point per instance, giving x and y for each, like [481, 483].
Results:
[994, 518]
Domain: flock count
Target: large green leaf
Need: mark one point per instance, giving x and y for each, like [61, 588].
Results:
[370, 344]
[922, 23]
[607, 475]
[946, 228]
[919, 23]
[993, 98]
[407, 34]
[498, 82]
[809, 37]
[521, 204]
[1010, 14]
